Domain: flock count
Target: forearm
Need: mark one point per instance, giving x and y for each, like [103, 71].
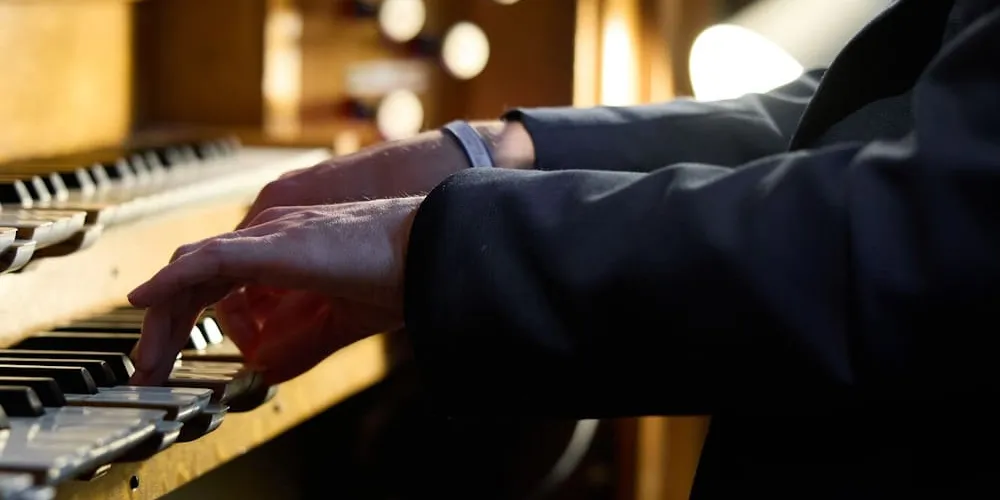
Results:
[636, 138]
[417, 165]
[800, 283]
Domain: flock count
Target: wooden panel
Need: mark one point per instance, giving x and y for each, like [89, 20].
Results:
[200, 62]
[586, 53]
[531, 56]
[65, 83]
[680, 23]
[338, 377]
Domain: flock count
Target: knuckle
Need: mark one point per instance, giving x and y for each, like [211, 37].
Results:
[268, 214]
[212, 247]
[182, 251]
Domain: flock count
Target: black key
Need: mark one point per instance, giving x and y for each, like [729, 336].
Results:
[69, 341]
[99, 370]
[78, 179]
[211, 330]
[73, 380]
[15, 192]
[100, 327]
[117, 170]
[20, 401]
[117, 326]
[54, 184]
[37, 189]
[45, 388]
[121, 366]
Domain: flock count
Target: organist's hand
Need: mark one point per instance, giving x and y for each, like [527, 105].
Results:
[392, 169]
[295, 285]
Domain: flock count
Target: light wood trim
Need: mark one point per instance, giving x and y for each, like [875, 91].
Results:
[658, 57]
[587, 53]
[651, 458]
[343, 374]
[59, 289]
[667, 453]
[683, 21]
[621, 33]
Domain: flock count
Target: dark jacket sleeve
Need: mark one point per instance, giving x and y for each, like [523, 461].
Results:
[866, 272]
[643, 138]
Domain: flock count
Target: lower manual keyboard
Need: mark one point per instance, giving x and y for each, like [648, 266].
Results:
[78, 377]
[66, 399]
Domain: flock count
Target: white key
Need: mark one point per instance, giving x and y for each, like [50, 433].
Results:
[180, 403]
[69, 441]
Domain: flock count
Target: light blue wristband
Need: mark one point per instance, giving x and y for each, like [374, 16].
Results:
[471, 142]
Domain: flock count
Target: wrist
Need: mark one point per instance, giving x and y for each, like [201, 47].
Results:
[509, 143]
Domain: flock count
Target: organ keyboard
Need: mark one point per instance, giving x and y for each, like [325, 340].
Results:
[84, 229]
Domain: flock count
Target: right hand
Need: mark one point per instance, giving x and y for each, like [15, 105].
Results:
[388, 170]
[397, 169]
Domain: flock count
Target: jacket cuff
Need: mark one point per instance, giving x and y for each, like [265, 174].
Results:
[430, 287]
[555, 134]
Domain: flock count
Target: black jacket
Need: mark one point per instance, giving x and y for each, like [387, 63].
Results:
[818, 268]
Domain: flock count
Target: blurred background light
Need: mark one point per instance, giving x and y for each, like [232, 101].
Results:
[400, 115]
[465, 50]
[771, 42]
[402, 20]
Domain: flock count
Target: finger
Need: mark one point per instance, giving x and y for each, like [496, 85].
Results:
[167, 327]
[165, 330]
[155, 326]
[235, 259]
[236, 318]
[284, 354]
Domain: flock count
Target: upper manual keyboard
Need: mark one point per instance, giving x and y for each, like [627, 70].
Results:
[53, 207]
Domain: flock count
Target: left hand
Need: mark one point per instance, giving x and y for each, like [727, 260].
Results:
[331, 274]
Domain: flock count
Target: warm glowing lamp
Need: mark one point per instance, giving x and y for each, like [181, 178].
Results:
[771, 42]
[465, 50]
[401, 20]
[400, 115]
